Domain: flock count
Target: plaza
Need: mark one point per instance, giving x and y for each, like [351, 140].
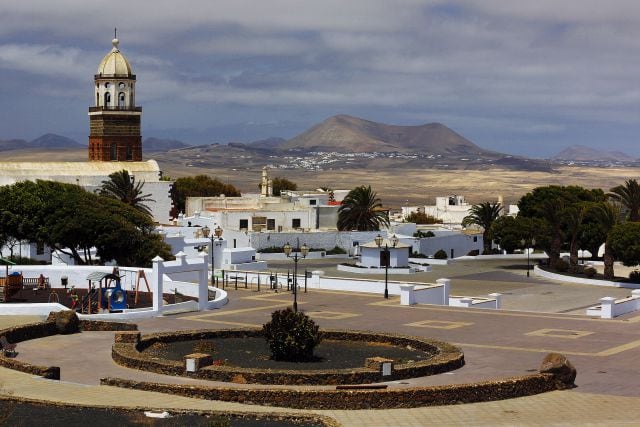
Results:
[497, 344]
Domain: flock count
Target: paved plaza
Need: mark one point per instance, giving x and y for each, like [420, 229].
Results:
[497, 344]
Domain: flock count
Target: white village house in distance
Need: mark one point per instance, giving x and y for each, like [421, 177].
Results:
[114, 142]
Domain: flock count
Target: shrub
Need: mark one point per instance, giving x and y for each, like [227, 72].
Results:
[441, 254]
[589, 271]
[474, 252]
[634, 276]
[562, 266]
[418, 255]
[420, 234]
[291, 336]
[272, 250]
[337, 250]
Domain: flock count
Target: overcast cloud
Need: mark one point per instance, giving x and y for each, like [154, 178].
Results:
[522, 77]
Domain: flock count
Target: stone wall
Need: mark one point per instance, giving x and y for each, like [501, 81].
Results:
[357, 399]
[445, 357]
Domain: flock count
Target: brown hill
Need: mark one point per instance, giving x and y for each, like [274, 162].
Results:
[583, 153]
[354, 135]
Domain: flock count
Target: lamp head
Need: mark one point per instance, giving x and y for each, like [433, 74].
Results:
[287, 249]
[394, 240]
[205, 231]
[378, 240]
[218, 232]
[304, 250]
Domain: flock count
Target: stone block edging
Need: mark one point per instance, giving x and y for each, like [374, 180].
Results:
[446, 357]
[305, 419]
[357, 399]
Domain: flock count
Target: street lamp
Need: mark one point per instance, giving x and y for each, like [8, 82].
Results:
[532, 242]
[217, 233]
[387, 258]
[296, 254]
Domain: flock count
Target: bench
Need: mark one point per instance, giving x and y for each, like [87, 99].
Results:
[8, 349]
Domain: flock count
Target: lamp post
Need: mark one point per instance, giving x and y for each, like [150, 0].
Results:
[387, 258]
[217, 233]
[532, 242]
[296, 254]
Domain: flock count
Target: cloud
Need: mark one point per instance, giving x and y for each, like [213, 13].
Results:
[522, 66]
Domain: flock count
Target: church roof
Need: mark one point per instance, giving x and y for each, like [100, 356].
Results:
[37, 169]
[115, 63]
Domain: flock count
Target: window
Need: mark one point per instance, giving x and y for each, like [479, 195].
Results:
[107, 85]
[113, 154]
[295, 223]
[122, 85]
[121, 99]
[271, 224]
[313, 202]
[107, 99]
[475, 239]
[244, 224]
[39, 248]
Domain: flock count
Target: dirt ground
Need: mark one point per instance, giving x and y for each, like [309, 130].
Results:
[396, 187]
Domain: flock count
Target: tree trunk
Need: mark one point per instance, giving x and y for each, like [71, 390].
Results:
[573, 257]
[486, 243]
[608, 263]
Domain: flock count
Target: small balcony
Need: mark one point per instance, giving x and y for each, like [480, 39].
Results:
[114, 108]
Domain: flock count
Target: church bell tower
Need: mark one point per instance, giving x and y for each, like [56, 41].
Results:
[114, 120]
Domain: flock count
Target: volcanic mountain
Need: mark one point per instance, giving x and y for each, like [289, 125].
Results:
[349, 134]
[582, 153]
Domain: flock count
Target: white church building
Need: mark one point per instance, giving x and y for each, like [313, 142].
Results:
[114, 141]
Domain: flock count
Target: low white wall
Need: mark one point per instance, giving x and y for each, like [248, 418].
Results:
[369, 270]
[566, 278]
[431, 261]
[610, 307]
[281, 256]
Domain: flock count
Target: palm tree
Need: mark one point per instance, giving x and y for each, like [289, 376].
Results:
[483, 215]
[628, 195]
[607, 215]
[361, 210]
[123, 187]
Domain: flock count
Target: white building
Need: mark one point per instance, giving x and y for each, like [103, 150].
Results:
[451, 210]
[375, 256]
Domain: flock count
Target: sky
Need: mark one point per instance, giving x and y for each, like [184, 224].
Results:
[520, 77]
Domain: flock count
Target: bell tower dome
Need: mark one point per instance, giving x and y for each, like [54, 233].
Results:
[114, 120]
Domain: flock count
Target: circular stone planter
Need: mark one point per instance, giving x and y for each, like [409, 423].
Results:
[439, 357]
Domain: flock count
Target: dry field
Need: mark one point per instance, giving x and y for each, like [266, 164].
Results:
[395, 186]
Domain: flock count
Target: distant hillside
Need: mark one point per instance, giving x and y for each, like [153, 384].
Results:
[351, 134]
[159, 144]
[12, 144]
[51, 140]
[45, 141]
[268, 143]
[582, 153]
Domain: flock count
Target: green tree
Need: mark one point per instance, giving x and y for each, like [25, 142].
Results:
[508, 231]
[549, 203]
[280, 184]
[361, 210]
[122, 186]
[628, 195]
[483, 215]
[71, 220]
[607, 216]
[199, 186]
[624, 242]
[422, 218]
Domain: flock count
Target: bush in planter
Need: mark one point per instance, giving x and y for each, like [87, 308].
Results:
[589, 271]
[634, 276]
[291, 336]
[441, 254]
[337, 250]
[474, 252]
[562, 266]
